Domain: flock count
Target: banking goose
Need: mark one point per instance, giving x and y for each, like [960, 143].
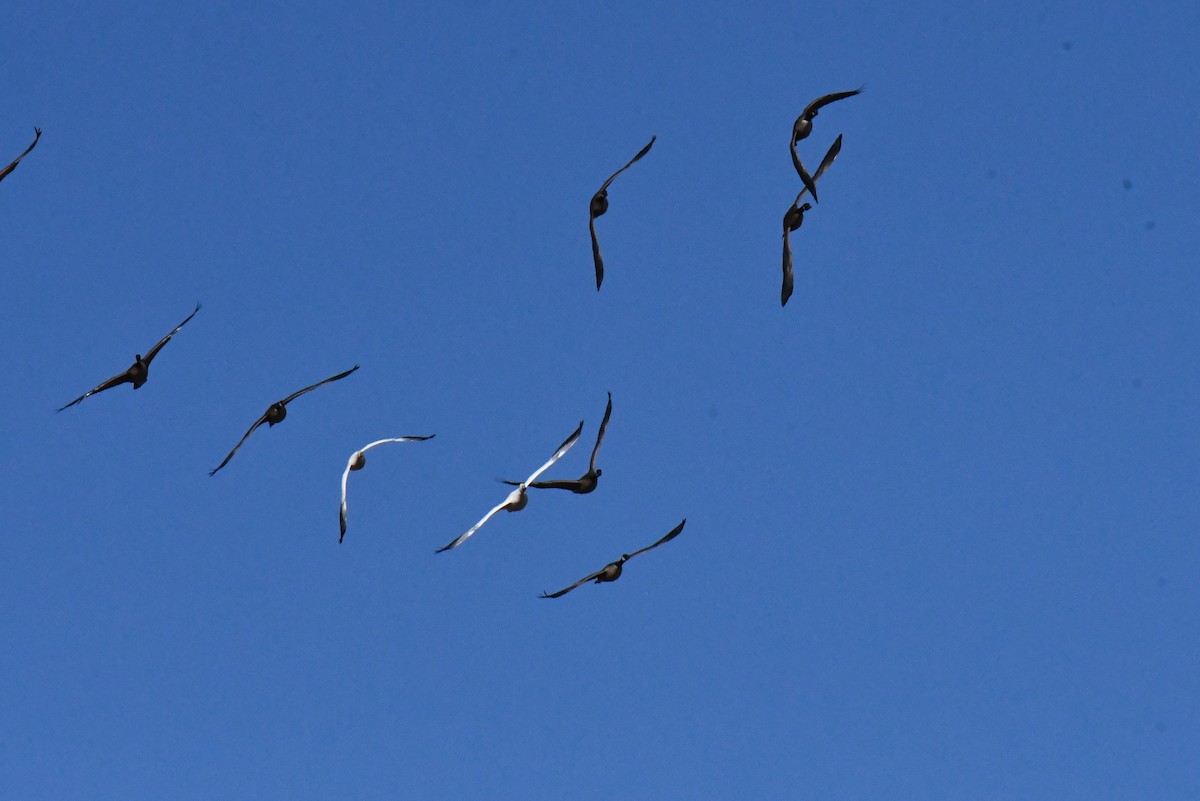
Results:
[357, 460]
[139, 371]
[599, 205]
[517, 499]
[612, 571]
[802, 127]
[276, 412]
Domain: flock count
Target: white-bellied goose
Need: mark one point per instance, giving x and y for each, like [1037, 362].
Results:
[357, 460]
[37, 134]
[139, 371]
[276, 412]
[612, 571]
[793, 218]
[599, 205]
[517, 499]
[588, 481]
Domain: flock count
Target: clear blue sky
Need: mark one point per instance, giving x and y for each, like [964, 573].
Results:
[942, 508]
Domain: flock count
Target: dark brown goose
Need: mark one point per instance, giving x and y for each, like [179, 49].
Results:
[358, 461]
[612, 571]
[517, 499]
[802, 127]
[37, 134]
[599, 205]
[276, 412]
[793, 218]
[139, 371]
[588, 481]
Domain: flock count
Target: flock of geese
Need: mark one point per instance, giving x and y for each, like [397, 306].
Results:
[138, 373]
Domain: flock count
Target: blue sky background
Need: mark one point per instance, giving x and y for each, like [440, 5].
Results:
[942, 508]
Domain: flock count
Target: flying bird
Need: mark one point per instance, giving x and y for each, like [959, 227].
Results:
[793, 218]
[612, 571]
[802, 127]
[517, 499]
[599, 205]
[276, 412]
[357, 460]
[37, 134]
[588, 481]
[139, 370]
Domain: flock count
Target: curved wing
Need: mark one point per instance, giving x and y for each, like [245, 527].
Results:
[345, 479]
[298, 393]
[830, 155]
[366, 448]
[812, 108]
[596, 258]
[583, 580]
[245, 436]
[788, 274]
[558, 454]
[600, 436]
[511, 497]
[632, 161]
[154, 351]
[115, 381]
[37, 134]
[672, 534]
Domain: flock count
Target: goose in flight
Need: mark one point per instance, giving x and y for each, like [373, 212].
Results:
[37, 134]
[139, 370]
[612, 571]
[276, 412]
[599, 205]
[588, 481]
[802, 127]
[517, 499]
[794, 218]
[357, 460]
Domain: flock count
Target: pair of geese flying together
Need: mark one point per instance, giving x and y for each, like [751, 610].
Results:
[37, 134]
[139, 371]
[793, 218]
[519, 497]
[599, 205]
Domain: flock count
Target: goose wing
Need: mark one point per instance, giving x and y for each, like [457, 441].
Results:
[154, 351]
[463, 538]
[632, 161]
[600, 436]
[345, 480]
[583, 580]
[245, 436]
[597, 259]
[37, 134]
[672, 534]
[116, 380]
[558, 454]
[812, 108]
[298, 393]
